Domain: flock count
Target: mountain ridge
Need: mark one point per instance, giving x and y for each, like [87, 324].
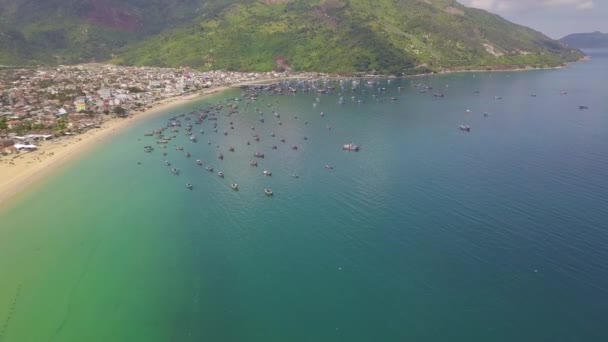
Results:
[589, 40]
[340, 36]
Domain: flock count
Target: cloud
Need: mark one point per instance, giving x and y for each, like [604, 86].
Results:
[506, 6]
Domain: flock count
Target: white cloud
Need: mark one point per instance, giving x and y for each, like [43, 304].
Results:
[585, 5]
[505, 6]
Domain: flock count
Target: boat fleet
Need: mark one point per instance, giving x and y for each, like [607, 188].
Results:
[225, 117]
[212, 118]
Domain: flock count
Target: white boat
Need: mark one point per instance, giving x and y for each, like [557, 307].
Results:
[464, 128]
[234, 186]
[220, 174]
[268, 192]
[267, 173]
[350, 147]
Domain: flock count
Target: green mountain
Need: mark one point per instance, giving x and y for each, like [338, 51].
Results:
[593, 40]
[341, 36]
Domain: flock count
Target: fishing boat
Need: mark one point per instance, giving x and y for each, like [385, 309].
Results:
[254, 163]
[209, 168]
[199, 162]
[234, 186]
[351, 147]
[175, 171]
[258, 155]
[464, 128]
[220, 174]
[268, 192]
[267, 173]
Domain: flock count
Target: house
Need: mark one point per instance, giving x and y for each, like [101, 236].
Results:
[81, 104]
[105, 93]
[25, 147]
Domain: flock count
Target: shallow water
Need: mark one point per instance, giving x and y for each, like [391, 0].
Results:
[428, 233]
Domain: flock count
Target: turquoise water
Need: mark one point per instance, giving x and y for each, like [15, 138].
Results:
[427, 234]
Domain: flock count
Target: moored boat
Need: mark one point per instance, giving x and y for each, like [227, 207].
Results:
[268, 192]
[350, 147]
[234, 186]
[464, 128]
[267, 173]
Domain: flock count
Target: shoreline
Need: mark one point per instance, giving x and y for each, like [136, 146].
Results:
[22, 173]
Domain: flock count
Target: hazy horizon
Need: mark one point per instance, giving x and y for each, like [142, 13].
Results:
[555, 18]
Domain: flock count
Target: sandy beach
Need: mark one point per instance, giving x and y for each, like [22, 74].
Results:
[19, 173]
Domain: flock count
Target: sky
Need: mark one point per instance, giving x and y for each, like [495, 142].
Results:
[555, 18]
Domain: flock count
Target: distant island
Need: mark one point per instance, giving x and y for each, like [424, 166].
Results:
[592, 40]
[346, 37]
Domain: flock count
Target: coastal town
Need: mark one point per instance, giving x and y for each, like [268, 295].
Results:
[46, 103]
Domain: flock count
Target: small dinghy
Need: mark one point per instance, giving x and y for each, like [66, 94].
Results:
[268, 192]
[267, 173]
[234, 186]
[209, 168]
[189, 186]
[199, 162]
[220, 174]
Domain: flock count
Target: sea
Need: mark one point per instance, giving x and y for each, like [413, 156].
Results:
[427, 233]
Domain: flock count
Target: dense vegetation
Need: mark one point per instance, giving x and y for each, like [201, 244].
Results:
[340, 36]
[593, 40]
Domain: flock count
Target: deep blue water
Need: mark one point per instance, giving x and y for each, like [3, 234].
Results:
[427, 234]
